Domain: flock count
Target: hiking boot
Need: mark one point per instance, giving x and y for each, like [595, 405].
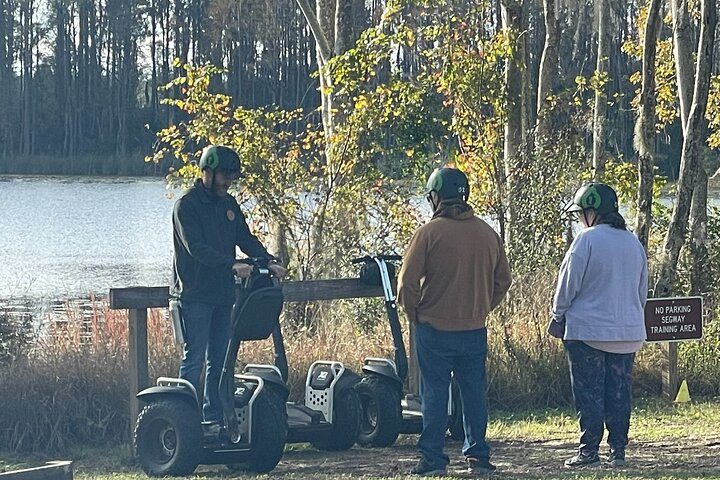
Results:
[583, 460]
[616, 458]
[479, 466]
[427, 470]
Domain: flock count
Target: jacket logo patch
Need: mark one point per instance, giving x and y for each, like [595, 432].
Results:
[230, 215]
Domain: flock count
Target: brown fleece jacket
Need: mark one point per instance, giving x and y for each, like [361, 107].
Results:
[454, 270]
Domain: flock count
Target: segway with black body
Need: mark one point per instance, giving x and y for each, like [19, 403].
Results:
[386, 410]
[171, 438]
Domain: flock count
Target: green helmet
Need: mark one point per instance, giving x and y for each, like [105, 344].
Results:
[220, 157]
[448, 183]
[598, 196]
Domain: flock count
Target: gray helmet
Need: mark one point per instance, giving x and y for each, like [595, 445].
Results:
[220, 157]
[598, 196]
[448, 183]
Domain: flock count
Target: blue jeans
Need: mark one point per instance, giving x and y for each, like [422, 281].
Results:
[602, 390]
[464, 354]
[207, 331]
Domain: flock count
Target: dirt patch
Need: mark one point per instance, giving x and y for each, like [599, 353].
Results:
[514, 459]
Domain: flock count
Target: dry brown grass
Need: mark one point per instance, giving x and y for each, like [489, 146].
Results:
[71, 388]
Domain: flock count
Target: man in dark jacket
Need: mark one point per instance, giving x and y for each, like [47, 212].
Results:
[454, 272]
[207, 226]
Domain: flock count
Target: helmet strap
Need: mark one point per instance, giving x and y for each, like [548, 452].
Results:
[211, 186]
[431, 200]
[594, 220]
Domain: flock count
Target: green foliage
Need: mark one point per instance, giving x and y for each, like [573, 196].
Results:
[712, 112]
[667, 106]
[317, 212]
[699, 361]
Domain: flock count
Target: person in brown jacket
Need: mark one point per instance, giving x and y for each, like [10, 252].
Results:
[454, 272]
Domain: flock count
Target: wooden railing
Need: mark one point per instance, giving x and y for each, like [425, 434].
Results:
[138, 299]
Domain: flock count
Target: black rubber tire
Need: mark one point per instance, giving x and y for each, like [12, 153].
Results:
[269, 432]
[346, 425]
[168, 438]
[455, 422]
[381, 415]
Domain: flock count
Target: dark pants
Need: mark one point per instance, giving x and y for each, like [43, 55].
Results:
[464, 354]
[602, 390]
[207, 331]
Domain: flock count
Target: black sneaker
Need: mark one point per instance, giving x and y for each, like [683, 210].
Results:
[583, 460]
[479, 466]
[616, 458]
[426, 470]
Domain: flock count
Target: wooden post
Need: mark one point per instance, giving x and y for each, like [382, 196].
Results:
[669, 372]
[138, 357]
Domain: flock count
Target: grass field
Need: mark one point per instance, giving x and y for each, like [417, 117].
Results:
[667, 441]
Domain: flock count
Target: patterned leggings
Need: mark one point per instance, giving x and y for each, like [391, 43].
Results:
[602, 390]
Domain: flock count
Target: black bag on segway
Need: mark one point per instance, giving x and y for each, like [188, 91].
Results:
[257, 308]
[370, 273]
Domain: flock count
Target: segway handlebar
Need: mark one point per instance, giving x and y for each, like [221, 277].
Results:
[261, 262]
[368, 258]
[260, 265]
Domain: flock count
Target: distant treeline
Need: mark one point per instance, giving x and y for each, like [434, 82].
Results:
[79, 78]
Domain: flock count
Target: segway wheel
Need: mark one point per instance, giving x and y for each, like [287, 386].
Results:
[168, 438]
[455, 422]
[381, 417]
[346, 425]
[269, 432]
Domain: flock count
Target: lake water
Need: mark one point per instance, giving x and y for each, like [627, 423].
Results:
[70, 237]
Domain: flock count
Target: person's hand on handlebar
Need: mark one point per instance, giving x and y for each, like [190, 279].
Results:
[242, 270]
[277, 270]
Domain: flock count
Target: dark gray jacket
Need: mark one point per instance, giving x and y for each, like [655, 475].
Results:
[206, 229]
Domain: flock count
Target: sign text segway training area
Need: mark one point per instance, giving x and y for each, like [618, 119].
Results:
[674, 319]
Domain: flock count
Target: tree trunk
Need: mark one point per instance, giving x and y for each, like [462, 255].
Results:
[27, 40]
[645, 125]
[548, 73]
[581, 35]
[7, 99]
[690, 166]
[602, 69]
[683, 51]
[512, 15]
[700, 281]
[332, 27]
[322, 25]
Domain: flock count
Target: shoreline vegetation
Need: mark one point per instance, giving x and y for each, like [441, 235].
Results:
[130, 165]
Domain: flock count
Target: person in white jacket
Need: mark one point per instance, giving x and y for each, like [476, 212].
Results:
[598, 311]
